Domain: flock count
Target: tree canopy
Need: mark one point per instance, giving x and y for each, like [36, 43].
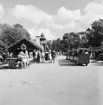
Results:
[11, 34]
[91, 37]
[95, 33]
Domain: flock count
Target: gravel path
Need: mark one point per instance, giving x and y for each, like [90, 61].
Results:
[62, 83]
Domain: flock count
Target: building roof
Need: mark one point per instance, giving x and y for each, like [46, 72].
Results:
[30, 45]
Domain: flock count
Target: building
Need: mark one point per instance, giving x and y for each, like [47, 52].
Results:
[23, 44]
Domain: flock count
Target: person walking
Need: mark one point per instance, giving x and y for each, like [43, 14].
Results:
[53, 55]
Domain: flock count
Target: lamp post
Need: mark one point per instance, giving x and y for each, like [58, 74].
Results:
[70, 42]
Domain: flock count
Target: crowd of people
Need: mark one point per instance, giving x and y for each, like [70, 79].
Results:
[25, 58]
[44, 57]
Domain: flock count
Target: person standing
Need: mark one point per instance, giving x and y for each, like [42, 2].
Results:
[46, 57]
[50, 57]
[36, 53]
[38, 57]
[43, 56]
[34, 56]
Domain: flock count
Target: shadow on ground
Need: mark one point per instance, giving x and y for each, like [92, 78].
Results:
[97, 63]
[64, 62]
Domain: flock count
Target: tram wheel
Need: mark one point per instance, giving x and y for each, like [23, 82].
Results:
[76, 63]
[79, 64]
[86, 64]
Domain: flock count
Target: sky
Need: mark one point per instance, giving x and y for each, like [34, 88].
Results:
[52, 17]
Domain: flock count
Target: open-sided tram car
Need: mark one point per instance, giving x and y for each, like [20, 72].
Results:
[97, 53]
[78, 56]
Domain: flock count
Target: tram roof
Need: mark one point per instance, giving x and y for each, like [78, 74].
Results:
[93, 49]
[78, 49]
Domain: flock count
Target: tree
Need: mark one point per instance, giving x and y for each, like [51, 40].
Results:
[49, 44]
[65, 42]
[19, 32]
[11, 34]
[71, 40]
[59, 44]
[95, 33]
[7, 36]
[83, 39]
[54, 45]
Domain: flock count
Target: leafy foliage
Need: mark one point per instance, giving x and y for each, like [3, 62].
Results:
[92, 36]
[95, 33]
[11, 34]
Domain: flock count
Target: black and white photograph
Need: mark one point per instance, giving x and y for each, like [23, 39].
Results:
[51, 52]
